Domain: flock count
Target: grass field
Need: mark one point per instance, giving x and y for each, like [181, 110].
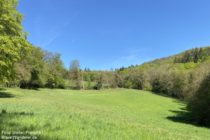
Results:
[118, 114]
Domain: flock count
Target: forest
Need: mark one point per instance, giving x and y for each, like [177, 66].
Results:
[184, 76]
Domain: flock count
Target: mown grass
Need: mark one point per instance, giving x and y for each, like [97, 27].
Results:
[117, 114]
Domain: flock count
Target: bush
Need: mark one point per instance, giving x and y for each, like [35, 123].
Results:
[128, 84]
[55, 83]
[99, 83]
[98, 86]
[35, 84]
[199, 106]
[23, 84]
[50, 83]
[159, 86]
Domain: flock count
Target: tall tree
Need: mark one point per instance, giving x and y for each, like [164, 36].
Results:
[54, 70]
[33, 64]
[13, 45]
[75, 74]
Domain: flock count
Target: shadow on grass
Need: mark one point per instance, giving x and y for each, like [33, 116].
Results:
[10, 129]
[30, 88]
[169, 96]
[1, 88]
[183, 116]
[4, 94]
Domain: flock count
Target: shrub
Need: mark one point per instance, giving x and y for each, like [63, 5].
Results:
[199, 106]
[99, 83]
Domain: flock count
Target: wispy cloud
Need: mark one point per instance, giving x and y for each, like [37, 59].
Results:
[133, 57]
[50, 41]
[55, 34]
[52, 32]
[128, 60]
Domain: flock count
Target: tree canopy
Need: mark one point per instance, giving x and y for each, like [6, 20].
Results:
[13, 45]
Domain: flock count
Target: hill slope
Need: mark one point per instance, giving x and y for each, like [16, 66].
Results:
[196, 56]
[178, 75]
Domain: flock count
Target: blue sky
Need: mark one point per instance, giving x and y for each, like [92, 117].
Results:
[105, 34]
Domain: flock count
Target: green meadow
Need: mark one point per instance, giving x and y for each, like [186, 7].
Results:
[115, 114]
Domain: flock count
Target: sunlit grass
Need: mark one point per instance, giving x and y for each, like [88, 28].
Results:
[102, 115]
